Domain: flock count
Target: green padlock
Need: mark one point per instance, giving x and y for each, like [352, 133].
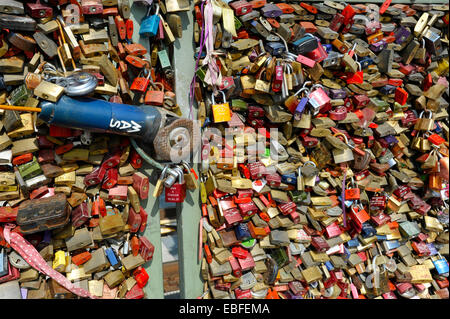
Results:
[20, 95]
[30, 169]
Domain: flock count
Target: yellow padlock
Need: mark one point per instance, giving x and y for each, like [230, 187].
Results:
[59, 263]
[221, 112]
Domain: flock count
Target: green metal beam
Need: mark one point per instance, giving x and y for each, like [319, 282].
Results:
[189, 212]
[155, 287]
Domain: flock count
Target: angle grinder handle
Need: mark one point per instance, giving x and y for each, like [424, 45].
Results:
[95, 115]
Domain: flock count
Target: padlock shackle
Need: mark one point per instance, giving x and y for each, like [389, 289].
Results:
[163, 172]
[180, 174]
[223, 95]
[301, 90]
[310, 162]
[343, 135]
[283, 40]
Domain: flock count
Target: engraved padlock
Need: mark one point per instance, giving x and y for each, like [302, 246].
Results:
[189, 176]
[156, 96]
[177, 192]
[345, 155]
[150, 23]
[221, 112]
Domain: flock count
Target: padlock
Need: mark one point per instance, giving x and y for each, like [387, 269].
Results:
[318, 99]
[155, 97]
[189, 177]
[89, 7]
[424, 124]
[221, 112]
[38, 10]
[140, 84]
[352, 193]
[261, 85]
[177, 192]
[345, 155]
[150, 23]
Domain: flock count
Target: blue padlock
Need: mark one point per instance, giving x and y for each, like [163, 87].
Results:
[353, 243]
[346, 253]
[367, 230]
[327, 47]
[242, 232]
[289, 179]
[329, 265]
[112, 258]
[150, 24]
[381, 237]
[432, 249]
[300, 108]
[275, 48]
[388, 89]
[366, 62]
[441, 266]
[305, 44]
[390, 244]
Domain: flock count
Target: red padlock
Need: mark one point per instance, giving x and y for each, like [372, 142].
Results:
[273, 180]
[141, 276]
[352, 193]
[381, 219]
[22, 159]
[401, 96]
[320, 243]
[135, 159]
[111, 160]
[39, 192]
[121, 29]
[89, 7]
[38, 10]
[377, 202]
[81, 258]
[277, 80]
[248, 209]
[232, 216]
[130, 28]
[336, 22]
[177, 192]
[241, 7]
[135, 293]
[155, 96]
[338, 114]
[333, 230]
[257, 170]
[239, 252]
[119, 192]
[246, 263]
[235, 267]
[140, 83]
[110, 179]
[318, 54]
[360, 101]
[95, 177]
[436, 139]
[146, 248]
[134, 220]
[135, 245]
[141, 185]
[80, 215]
[287, 208]
[137, 62]
[319, 100]
[144, 218]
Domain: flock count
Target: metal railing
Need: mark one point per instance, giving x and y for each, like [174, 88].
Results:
[189, 212]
